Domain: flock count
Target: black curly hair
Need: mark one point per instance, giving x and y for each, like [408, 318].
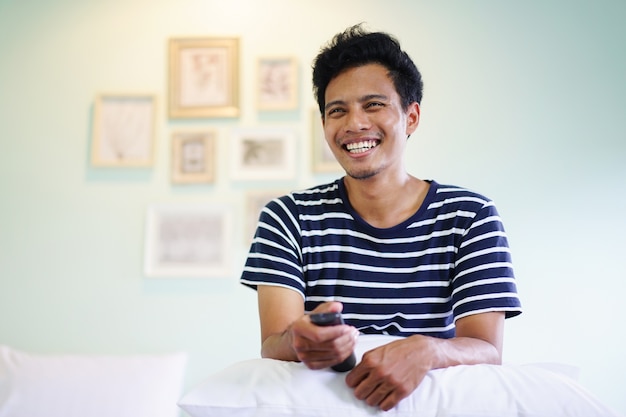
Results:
[355, 47]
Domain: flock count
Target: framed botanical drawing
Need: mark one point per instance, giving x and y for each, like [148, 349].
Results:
[323, 160]
[187, 240]
[193, 157]
[263, 154]
[123, 130]
[277, 83]
[203, 77]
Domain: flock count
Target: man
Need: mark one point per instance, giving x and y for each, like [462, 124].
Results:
[396, 254]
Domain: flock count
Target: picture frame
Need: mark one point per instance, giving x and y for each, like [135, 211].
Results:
[203, 77]
[255, 200]
[123, 130]
[261, 154]
[323, 161]
[193, 157]
[277, 83]
[188, 240]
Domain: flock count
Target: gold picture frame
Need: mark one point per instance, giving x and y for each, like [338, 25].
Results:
[123, 130]
[203, 77]
[277, 83]
[193, 157]
[323, 161]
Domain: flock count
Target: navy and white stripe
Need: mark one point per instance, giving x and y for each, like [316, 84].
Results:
[449, 260]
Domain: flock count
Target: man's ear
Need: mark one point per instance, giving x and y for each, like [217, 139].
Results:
[412, 118]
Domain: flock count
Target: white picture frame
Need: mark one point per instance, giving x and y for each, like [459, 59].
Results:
[261, 154]
[188, 240]
[123, 130]
[277, 83]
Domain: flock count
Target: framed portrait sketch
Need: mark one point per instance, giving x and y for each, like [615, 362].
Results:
[190, 240]
[203, 77]
[123, 130]
[193, 157]
[263, 154]
[323, 160]
[277, 83]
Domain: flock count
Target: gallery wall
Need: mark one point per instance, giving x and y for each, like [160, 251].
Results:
[523, 102]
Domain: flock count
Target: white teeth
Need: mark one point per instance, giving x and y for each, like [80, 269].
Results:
[363, 146]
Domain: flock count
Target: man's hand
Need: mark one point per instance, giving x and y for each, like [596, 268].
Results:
[393, 371]
[320, 347]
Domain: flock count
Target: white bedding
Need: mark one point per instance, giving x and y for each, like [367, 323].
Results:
[33, 385]
[270, 388]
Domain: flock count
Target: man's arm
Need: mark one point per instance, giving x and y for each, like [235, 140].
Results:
[288, 334]
[391, 372]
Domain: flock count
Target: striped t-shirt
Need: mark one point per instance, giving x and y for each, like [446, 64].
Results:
[449, 260]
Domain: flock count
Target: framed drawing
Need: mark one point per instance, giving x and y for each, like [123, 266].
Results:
[263, 154]
[255, 201]
[187, 240]
[193, 157]
[323, 159]
[203, 77]
[277, 83]
[123, 130]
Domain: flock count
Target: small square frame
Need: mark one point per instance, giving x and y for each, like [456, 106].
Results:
[263, 154]
[277, 83]
[193, 157]
[188, 240]
[203, 77]
[123, 130]
[323, 161]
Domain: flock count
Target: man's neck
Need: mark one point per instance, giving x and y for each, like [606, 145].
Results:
[386, 202]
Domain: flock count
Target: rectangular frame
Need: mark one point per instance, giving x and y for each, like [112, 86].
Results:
[263, 154]
[193, 157]
[323, 160]
[123, 130]
[188, 240]
[203, 77]
[277, 83]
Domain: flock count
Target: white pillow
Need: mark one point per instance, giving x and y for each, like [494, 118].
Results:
[90, 385]
[271, 388]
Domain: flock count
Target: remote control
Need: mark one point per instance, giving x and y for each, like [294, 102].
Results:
[332, 319]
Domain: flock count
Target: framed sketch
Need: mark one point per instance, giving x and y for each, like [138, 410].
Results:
[277, 83]
[203, 77]
[263, 154]
[187, 240]
[323, 160]
[255, 201]
[193, 157]
[123, 130]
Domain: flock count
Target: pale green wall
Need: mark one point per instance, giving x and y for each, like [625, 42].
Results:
[524, 101]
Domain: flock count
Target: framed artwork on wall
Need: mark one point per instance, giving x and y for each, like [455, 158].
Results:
[203, 77]
[323, 160]
[123, 130]
[263, 154]
[193, 157]
[277, 83]
[187, 240]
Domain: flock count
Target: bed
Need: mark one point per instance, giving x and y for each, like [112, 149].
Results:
[270, 388]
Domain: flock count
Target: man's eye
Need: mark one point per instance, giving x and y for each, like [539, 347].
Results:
[374, 104]
[334, 111]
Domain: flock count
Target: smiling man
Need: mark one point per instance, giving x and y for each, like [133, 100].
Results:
[395, 254]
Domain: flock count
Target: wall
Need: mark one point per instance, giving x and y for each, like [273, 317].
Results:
[523, 102]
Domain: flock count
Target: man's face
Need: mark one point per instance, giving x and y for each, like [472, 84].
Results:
[364, 123]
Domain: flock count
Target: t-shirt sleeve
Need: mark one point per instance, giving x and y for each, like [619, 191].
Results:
[484, 279]
[275, 256]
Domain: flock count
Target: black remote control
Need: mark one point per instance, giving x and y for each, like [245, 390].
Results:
[332, 319]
